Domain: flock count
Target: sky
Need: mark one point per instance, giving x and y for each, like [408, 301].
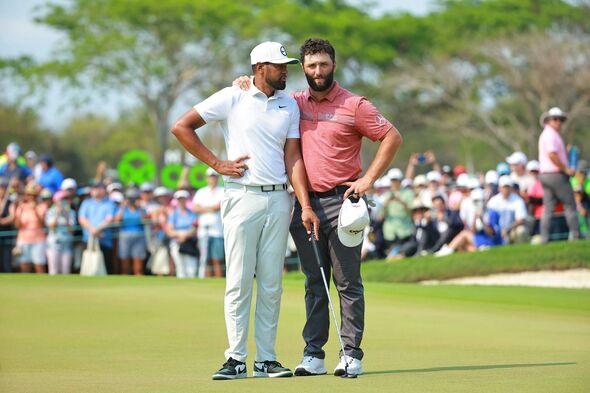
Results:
[21, 36]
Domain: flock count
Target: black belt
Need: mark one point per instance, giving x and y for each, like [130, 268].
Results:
[338, 190]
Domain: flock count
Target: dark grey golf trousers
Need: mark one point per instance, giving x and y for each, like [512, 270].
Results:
[344, 263]
[557, 187]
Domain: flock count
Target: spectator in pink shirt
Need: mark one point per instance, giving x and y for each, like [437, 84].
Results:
[555, 174]
[30, 241]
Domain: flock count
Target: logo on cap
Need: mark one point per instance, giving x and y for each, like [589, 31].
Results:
[283, 51]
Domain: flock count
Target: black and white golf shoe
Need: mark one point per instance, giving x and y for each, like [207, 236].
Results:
[271, 369]
[232, 369]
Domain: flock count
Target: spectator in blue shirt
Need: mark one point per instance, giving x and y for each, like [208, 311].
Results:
[95, 216]
[132, 242]
[51, 177]
[182, 226]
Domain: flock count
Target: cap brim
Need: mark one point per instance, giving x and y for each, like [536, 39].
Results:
[286, 60]
[349, 240]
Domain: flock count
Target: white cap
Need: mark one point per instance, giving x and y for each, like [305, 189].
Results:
[270, 52]
[473, 182]
[161, 191]
[116, 196]
[420, 180]
[146, 187]
[211, 172]
[463, 180]
[114, 186]
[433, 176]
[516, 158]
[533, 165]
[395, 174]
[505, 180]
[407, 183]
[352, 221]
[477, 194]
[491, 177]
[383, 182]
[181, 194]
[68, 184]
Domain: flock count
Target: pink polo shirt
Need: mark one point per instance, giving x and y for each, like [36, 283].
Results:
[550, 141]
[331, 135]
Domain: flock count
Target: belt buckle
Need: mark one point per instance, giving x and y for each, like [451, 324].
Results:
[270, 188]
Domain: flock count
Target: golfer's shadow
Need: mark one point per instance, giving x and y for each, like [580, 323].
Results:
[467, 368]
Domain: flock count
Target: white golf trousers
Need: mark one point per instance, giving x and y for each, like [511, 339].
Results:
[255, 226]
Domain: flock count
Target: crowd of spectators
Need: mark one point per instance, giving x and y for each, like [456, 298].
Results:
[447, 210]
[46, 220]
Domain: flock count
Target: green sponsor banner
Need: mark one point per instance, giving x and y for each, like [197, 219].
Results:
[170, 175]
[136, 166]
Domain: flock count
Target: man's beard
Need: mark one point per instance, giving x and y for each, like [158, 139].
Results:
[323, 87]
[278, 84]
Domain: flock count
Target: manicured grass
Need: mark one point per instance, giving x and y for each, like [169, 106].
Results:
[148, 334]
[508, 259]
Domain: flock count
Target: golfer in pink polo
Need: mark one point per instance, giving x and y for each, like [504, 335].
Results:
[555, 174]
[333, 123]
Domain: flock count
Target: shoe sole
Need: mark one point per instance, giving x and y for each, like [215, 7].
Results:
[301, 372]
[221, 377]
[340, 372]
[282, 374]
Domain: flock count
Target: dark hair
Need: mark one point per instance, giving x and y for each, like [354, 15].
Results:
[312, 46]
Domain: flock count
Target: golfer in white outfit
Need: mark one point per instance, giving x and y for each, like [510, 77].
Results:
[261, 131]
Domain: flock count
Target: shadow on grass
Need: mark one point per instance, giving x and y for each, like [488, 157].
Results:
[467, 368]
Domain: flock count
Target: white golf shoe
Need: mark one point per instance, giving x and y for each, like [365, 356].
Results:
[310, 366]
[355, 366]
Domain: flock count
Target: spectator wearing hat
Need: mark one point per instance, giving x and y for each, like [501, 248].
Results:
[51, 177]
[60, 221]
[146, 197]
[96, 216]
[181, 229]
[6, 227]
[132, 247]
[207, 204]
[518, 173]
[426, 234]
[14, 168]
[30, 223]
[555, 173]
[398, 228]
[512, 212]
[490, 187]
[32, 161]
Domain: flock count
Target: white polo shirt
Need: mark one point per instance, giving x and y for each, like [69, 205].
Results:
[254, 125]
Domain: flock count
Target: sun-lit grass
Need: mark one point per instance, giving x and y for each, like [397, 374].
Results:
[127, 334]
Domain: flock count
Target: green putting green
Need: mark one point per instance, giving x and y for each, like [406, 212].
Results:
[149, 334]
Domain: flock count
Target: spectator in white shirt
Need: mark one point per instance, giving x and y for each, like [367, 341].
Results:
[512, 211]
[207, 203]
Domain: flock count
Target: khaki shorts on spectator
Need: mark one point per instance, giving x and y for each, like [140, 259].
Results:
[32, 252]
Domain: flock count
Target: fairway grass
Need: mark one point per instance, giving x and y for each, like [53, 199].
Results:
[149, 334]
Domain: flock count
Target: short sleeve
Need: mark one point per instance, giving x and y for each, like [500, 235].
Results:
[520, 209]
[294, 122]
[83, 212]
[369, 122]
[217, 107]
